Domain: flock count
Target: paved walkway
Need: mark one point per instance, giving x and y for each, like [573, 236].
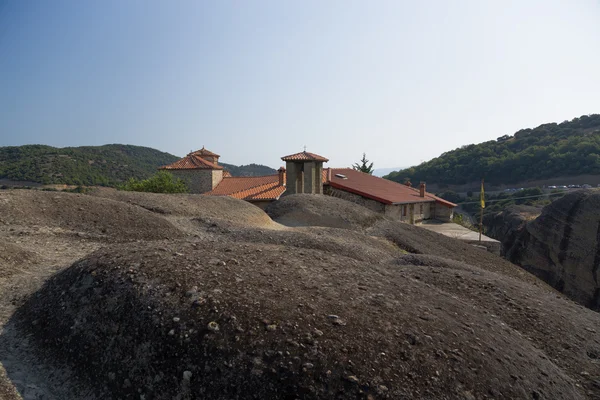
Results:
[456, 231]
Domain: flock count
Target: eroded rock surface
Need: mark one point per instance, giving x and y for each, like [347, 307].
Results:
[138, 296]
[562, 246]
[507, 224]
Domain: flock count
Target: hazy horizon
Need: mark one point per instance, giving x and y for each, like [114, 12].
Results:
[400, 81]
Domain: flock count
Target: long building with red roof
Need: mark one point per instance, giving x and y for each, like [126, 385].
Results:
[304, 173]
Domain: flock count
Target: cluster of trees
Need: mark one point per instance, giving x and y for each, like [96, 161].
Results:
[161, 182]
[550, 150]
[108, 165]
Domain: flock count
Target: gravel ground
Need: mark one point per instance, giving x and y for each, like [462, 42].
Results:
[210, 302]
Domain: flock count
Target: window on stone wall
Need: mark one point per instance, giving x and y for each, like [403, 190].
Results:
[404, 210]
[421, 209]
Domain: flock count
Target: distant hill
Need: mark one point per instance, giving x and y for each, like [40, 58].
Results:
[550, 150]
[249, 170]
[106, 165]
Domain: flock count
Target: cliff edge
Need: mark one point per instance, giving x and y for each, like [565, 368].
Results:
[562, 246]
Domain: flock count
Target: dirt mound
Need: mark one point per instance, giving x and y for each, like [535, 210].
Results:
[12, 256]
[235, 320]
[562, 246]
[205, 208]
[331, 240]
[311, 210]
[86, 216]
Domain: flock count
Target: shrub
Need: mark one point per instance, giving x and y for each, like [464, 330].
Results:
[161, 182]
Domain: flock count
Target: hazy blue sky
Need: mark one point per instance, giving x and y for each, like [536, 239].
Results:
[402, 81]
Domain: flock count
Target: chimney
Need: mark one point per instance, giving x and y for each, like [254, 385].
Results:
[281, 172]
[422, 189]
[328, 174]
[407, 183]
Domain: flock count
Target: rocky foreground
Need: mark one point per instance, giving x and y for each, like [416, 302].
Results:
[131, 295]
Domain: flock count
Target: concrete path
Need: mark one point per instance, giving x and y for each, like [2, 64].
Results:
[456, 231]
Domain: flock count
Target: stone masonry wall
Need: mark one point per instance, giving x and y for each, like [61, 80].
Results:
[420, 211]
[197, 181]
[443, 213]
[217, 177]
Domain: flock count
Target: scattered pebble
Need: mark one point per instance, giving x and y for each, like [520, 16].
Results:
[213, 326]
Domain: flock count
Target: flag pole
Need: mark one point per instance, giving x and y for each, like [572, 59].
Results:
[482, 200]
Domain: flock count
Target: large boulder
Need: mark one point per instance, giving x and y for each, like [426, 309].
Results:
[507, 224]
[562, 246]
[210, 209]
[321, 210]
[82, 215]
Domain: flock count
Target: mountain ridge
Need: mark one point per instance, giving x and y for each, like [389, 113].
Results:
[106, 165]
[570, 148]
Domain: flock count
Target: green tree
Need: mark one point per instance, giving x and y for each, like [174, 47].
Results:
[364, 165]
[161, 182]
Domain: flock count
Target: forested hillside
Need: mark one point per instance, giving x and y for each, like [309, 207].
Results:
[550, 150]
[106, 165]
[248, 170]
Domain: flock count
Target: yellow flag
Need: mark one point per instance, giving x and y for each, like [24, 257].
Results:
[482, 195]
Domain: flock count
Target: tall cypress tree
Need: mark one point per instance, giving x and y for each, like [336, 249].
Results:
[364, 165]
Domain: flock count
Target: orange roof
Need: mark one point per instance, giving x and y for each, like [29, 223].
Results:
[204, 152]
[250, 187]
[192, 161]
[379, 189]
[226, 174]
[304, 156]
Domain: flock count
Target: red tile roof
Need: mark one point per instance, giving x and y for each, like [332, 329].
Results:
[204, 152]
[191, 161]
[304, 156]
[250, 188]
[379, 189]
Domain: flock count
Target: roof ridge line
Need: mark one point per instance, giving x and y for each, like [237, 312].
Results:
[260, 176]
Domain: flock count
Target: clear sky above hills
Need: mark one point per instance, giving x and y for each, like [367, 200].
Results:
[402, 81]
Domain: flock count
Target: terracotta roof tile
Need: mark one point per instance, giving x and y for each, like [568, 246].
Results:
[191, 161]
[379, 189]
[273, 193]
[304, 156]
[204, 152]
[250, 188]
